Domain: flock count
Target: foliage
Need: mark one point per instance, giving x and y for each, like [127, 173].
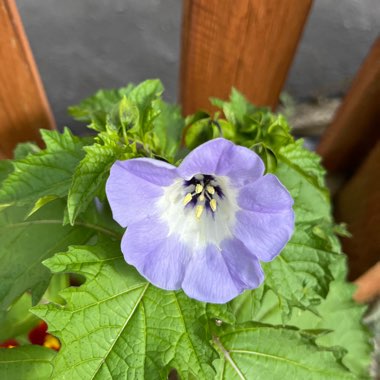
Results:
[27, 363]
[54, 218]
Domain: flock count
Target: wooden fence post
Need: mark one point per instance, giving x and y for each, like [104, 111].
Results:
[351, 145]
[356, 125]
[24, 108]
[248, 44]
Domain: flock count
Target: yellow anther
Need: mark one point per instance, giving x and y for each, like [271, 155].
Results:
[198, 188]
[202, 198]
[213, 205]
[187, 199]
[210, 189]
[198, 211]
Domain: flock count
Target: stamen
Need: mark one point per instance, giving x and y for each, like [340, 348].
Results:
[202, 197]
[187, 199]
[210, 189]
[213, 205]
[199, 211]
[198, 188]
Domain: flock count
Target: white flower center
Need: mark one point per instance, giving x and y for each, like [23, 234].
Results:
[201, 211]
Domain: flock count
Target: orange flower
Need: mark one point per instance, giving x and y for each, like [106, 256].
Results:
[40, 336]
[9, 343]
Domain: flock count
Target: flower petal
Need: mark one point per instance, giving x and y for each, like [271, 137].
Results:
[134, 185]
[160, 258]
[222, 157]
[244, 267]
[267, 194]
[208, 278]
[264, 234]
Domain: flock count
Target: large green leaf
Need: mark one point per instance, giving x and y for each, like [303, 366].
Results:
[343, 318]
[26, 243]
[26, 363]
[253, 351]
[118, 325]
[338, 315]
[45, 173]
[301, 274]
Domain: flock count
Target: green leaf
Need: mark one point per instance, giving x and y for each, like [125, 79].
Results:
[118, 325]
[301, 274]
[338, 315]
[255, 127]
[253, 351]
[269, 159]
[128, 113]
[26, 363]
[168, 127]
[45, 173]
[25, 243]
[41, 203]
[299, 277]
[5, 169]
[104, 106]
[18, 320]
[248, 304]
[303, 167]
[96, 108]
[23, 149]
[201, 131]
[236, 109]
[91, 174]
[143, 96]
[342, 316]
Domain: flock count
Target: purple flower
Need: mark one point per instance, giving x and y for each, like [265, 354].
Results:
[202, 226]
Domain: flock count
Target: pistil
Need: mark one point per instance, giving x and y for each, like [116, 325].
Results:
[199, 211]
[201, 190]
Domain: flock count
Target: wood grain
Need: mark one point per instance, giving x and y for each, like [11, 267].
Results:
[356, 125]
[248, 44]
[24, 108]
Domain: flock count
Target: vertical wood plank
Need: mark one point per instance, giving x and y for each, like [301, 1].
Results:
[248, 44]
[24, 108]
[356, 125]
[358, 204]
